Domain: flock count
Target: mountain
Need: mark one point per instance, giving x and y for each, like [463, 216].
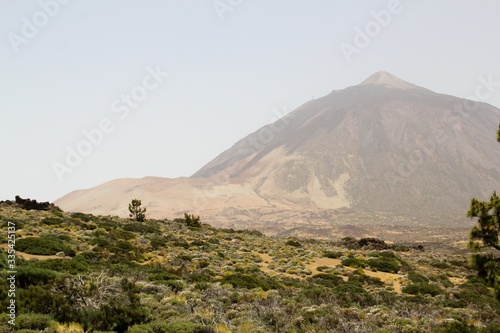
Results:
[385, 151]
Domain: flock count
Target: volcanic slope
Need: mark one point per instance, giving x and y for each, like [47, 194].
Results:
[384, 148]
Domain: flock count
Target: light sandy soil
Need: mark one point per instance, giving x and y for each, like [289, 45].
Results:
[318, 262]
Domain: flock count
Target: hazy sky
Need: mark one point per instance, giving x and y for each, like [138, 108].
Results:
[67, 67]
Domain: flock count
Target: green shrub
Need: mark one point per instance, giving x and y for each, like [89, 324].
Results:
[478, 294]
[175, 285]
[440, 264]
[119, 234]
[443, 280]
[141, 228]
[156, 242]
[107, 225]
[205, 275]
[333, 254]
[385, 265]
[293, 242]
[351, 243]
[122, 246]
[28, 276]
[384, 254]
[52, 221]
[422, 288]
[33, 321]
[181, 243]
[18, 224]
[201, 286]
[42, 299]
[245, 281]
[457, 327]
[354, 262]
[417, 278]
[453, 303]
[42, 246]
[62, 265]
[170, 327]
[82, 216]
[349, 294]
[327, 280]
[99, 241]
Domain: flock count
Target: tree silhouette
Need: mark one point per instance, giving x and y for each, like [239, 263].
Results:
[484, 238]
[136, 212]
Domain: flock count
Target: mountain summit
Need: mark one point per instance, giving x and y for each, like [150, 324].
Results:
[382, 148]
[388, 80]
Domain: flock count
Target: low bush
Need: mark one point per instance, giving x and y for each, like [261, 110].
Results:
[62, 265]
[42, 300]
[175, 285]
[333, 254]
[33, 321]
[443, 280]
[52, 221]
[327, 280]
[385, 265]
[422, 288]
[18, 224]
[417, 278]
[477, 294]
[27, 276]
[141, 228]
[456, 327]
[349, 294]
[42, 246]
[156, 242]
[293, 242]
[119, 234]
[170, 327]
[107, 224]
[83, 217]
[354, 262]
[440, 264]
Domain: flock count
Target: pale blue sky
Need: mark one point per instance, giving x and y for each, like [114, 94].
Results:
[225, 76]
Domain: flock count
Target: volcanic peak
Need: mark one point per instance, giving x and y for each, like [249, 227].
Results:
[388, 80]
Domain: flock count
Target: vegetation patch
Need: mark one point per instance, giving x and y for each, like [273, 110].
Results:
[181, 278]
[43, 246]
[250, 282]
[354, 262]
[385, 265]
[422, 288]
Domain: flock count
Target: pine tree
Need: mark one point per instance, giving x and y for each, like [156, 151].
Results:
[192, 221]
[484, 238]
[136, 212]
